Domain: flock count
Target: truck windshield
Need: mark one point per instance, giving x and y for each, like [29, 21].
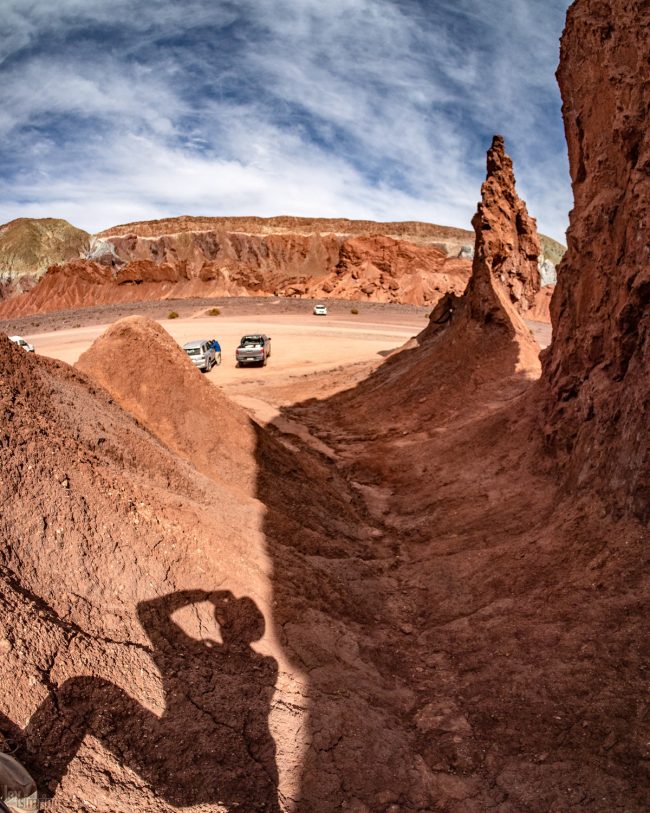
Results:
[193, 351]
[247, 341]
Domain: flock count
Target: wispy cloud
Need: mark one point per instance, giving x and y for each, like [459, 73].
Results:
[360, 108]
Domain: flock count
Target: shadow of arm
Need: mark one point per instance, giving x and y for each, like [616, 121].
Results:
[155, 617]
[57, 728]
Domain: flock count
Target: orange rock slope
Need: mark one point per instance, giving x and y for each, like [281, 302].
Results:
[411, 263]
[142, 367]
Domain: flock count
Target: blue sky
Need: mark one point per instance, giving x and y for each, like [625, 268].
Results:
[120, 110]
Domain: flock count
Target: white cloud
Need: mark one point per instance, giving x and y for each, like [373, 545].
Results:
[358, 108]
[142, 180]
[105, 89]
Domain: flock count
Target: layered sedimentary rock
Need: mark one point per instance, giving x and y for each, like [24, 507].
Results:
[29, 246]
[410, 263]
[414, 263]
[597, 372]
[447, 237]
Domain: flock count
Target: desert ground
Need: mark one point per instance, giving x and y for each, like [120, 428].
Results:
[386, 566]
[311, 356]
[404, 568]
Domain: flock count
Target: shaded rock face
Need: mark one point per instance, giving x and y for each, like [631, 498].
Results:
[507, 245]
[596, 373]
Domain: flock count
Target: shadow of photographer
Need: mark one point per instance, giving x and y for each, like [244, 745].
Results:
[212, 744]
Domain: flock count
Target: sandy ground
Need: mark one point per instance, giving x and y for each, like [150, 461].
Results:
[303, 345]
[299, 344]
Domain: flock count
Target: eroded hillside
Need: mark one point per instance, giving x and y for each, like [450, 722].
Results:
[430, 594]
[28, 247]
[186, 257]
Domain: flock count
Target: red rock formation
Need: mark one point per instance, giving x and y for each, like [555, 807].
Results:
[383, 269]
[171, 399]
[505, 275]
[295, 257]
[541, 310]
[597, 372]
[476, 347]
[220, 263]
[506, 235]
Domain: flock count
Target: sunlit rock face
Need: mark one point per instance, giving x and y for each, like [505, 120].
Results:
[506, 249]
[507, 243]
[28, 246]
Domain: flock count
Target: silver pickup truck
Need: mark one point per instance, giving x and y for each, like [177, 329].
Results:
[253, 349]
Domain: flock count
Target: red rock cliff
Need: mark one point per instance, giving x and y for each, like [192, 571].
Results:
[597, 373]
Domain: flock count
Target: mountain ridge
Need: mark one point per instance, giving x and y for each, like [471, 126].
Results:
[408, 262]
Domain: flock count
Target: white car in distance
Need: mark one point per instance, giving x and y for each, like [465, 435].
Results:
[22, 343]
[320, 310]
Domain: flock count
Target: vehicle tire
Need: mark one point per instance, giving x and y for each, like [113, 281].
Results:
[266, 358]
[237, 364]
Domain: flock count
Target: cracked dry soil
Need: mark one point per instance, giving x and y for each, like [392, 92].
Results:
[415, 621]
